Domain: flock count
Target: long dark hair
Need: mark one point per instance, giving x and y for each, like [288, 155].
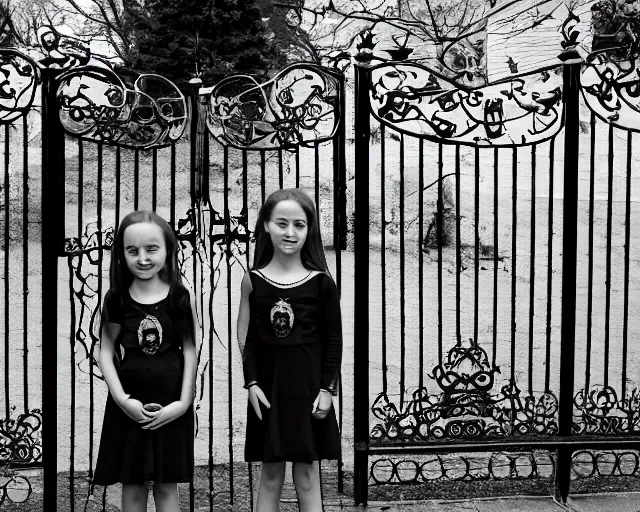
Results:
[312, 252]
[120, 276]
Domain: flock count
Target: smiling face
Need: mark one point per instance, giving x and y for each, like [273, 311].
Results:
[288, 227]
[145, 250]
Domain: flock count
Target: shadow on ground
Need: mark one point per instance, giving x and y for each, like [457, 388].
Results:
[211, 490]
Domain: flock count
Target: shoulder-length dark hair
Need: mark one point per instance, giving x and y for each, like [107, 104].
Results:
[312, 252]
[120, 276]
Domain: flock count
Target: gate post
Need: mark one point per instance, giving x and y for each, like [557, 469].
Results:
[361, 285]
[197, 141]
[571, 98]
[340, 176]
[52, 247]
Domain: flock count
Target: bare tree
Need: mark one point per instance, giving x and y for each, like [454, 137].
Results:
[19, 20]
[451, 31]
[112, 21]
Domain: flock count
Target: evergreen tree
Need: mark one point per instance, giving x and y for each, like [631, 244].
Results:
[180, 39]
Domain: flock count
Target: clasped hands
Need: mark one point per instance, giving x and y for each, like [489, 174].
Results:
[151, 420]
[320, 409]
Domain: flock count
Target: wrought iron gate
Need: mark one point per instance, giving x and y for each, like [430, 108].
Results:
[470, 365]
[21, 353]
[115, 141]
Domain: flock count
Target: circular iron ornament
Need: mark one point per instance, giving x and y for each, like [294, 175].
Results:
[589, 464]
[419, 101]
[142, 111]
[19, 78]
[300, 106]
[495, 466]
[15, 488]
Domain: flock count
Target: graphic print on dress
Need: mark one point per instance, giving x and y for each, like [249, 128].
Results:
[150, 335]
[282, 318]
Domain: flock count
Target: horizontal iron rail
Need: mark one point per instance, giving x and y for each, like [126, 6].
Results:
[488, 445]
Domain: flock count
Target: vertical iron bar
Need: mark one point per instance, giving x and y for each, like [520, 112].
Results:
[340, 165]
[101, 252]
[210, 335]
[52, 247]
[72, 419]
[154, 178]
[172, 207]
[316, 187]
[118, 177]
[245, 203]
[571, 99]
[227, 230]
[206, 166]
[514, 259]
[532, 269]
[440, 242]
[421, 261]
[136, 178]
[263, 177]
[280, 170]
[298, 167]
[592, 173]
[607, 308]
[7, 244]
[458, 251]
[476, 259]
[361, 286]
[383, 253]
[547, 376]
[197, 136]
[25, 257]
[339, 244]
[495, 257]
[72, 333]
[402, 283]
[627, 241]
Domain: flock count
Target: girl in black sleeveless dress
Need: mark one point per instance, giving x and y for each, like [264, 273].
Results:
[148, 359]
[289, 327]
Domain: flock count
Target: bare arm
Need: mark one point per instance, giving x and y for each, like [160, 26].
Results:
[110, 332]
[245, 341]
[244, 310]
[190, 361]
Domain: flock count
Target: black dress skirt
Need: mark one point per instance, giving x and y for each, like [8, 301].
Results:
[150, 371]
[293, 349]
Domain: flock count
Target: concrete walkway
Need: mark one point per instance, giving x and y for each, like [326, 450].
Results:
[592, 503]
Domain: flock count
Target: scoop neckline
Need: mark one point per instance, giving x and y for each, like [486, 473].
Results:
[149, 303]
[267, 280]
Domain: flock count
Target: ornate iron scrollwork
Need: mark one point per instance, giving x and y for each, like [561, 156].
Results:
[135, 111]
[611, 88]
[610, 77]
[300, 106]
[19, 77]
[121, 108]
[465, 408]
[419, 101]
[600, 411]
[20, 439]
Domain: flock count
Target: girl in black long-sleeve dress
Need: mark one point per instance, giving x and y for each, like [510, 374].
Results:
[289, 325]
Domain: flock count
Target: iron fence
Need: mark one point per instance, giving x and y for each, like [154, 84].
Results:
[469, 204]
[494, 273]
